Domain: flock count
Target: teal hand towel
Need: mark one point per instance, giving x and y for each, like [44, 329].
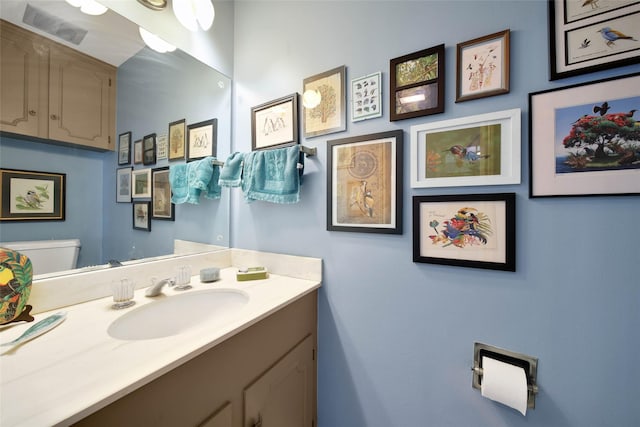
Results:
[199, 174]
[214, 191]
[178, 182]
[231, 173]
[272, 175]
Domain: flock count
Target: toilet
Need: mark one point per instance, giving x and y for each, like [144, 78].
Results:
[48, 256]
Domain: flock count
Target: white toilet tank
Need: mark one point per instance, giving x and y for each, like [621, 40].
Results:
[48, 256]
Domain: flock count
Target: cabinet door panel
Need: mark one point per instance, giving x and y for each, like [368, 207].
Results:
[283, 395]
[221, 418]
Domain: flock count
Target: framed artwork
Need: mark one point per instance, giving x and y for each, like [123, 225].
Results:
[324, 103]
[417, 84]
[364, 183]
[124, 148]
[142, 216]
[585, 139]
[177, 138]
[202, 139]
[471, 230]
[366, 97]
[275, 123]
[32, 196]
[123, 185]
[141, 183]
[162, 147]
[588, 36]
[483, 67]
[137, 152]
[468, 151]
[162, 208]
[149, 149]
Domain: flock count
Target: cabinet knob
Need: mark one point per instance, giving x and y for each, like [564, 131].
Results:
[32, 112]
[53, 117]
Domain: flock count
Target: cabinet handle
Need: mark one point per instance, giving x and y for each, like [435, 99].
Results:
[32, 112]
[54, 117]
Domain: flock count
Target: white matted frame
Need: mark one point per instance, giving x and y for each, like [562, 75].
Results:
[141, 183]
[366, 97]
[439, 158]
[123, 185]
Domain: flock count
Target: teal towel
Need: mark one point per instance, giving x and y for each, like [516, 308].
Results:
[188, 181]
[214, 191]
[231, 173]
[272, 175]
[178, 182]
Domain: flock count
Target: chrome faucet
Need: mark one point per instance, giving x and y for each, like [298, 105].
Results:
[156, 286]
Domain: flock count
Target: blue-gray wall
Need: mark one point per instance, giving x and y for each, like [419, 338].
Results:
[395, 337]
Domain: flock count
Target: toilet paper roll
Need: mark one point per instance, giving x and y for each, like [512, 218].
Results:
[504, 383]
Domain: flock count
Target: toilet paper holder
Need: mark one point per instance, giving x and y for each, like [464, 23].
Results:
[528, 363]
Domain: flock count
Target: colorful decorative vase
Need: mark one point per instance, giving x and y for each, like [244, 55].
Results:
[16, 273]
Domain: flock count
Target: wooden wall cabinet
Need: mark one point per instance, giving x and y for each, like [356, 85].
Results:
[265, 376]
[49, 91]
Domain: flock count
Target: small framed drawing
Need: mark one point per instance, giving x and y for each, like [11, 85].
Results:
[123, 185]
[162, 208]
[149, 149]
[483, 67]
[141, 183]
[474, 150]
[142, 216]
[32, 196]
[202, 139]
[366, 97]
[162, 147]
[324, 102]
[124, 148]
[275, 123]
[177, 138]
[137, 152]
[588, 36]
[417, 84]
[585, 139]
[471, 230]
[364, 183]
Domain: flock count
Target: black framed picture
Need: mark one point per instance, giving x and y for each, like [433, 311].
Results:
[149, 149]
[202, 139]
[32, 195]
[162, 208]
[124, 148]
[142, 216]
[275, 124]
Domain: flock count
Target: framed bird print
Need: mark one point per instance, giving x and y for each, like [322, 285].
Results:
[32, 196]
[592, 35]
[467, 151]
[364, 183]
[585, 139]
[470, 230]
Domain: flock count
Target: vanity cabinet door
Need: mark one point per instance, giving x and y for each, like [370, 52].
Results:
[22, 61]
[283, 396]
[81, 100]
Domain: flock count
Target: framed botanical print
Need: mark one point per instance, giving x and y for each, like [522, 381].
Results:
[149, 149]
[123, 185]
[177, 139]
[124, 148]
[32, 196]
[364, 183]
[275, 124]
[417, 84]
[142, 216]
[141, 183]
[366, 97]
[202, 139]
[324, 103]
[162, 208]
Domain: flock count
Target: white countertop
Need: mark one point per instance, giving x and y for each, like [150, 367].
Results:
[77, 368]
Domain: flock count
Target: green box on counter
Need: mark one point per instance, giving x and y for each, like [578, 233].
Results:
[251, 273]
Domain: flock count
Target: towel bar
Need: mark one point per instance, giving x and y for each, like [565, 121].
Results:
[309, 151]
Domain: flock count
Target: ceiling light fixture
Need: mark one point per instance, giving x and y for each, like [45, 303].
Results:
[155, 42]
[90, 7]
[154, 4]
[194, 14]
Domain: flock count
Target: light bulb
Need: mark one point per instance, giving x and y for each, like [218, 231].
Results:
[194, 14]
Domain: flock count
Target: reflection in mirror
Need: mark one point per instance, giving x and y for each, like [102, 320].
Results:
[153, 90]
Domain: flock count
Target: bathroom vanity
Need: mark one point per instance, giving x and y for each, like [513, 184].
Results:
[256, 364]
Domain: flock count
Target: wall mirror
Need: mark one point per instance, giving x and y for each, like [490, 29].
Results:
[153, 90]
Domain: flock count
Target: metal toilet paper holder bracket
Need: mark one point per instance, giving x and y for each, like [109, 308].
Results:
[528, 363]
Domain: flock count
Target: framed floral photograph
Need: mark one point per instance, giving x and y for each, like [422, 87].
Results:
[149, 149]
[366, 97]
[142, 216]
[202, 139]
[274, 124]
[123, 185]
[483, 67]
[124, 148]
[467, 151]
[162, 208]
[32, 195]
[137, 152]
[588, 36]
[141, 183]
[177, 139]
[364, 183]
[470, 230]
[324, 102]
[585, 139]
[417, 84]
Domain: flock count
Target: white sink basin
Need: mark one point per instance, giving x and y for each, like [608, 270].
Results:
[174, 314]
